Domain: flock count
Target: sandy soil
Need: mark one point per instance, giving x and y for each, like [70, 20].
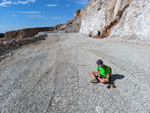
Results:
[53, 76]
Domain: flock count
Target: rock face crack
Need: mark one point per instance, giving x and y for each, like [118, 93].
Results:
[106, 32]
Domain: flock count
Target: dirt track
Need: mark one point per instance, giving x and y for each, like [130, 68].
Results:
[53, 76]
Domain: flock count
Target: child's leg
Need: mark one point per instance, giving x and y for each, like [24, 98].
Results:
[93, 74]
[102, 80]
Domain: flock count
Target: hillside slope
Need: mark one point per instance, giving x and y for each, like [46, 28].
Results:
[124, 19]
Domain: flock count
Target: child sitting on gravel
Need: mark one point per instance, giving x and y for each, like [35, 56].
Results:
[103, 73]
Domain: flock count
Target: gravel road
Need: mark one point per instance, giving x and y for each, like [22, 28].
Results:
[53, 76]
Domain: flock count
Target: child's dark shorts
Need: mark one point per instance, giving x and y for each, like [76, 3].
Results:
[104, 78]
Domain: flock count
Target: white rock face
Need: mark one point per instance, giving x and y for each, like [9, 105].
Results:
[127, 19]
[93, 17]
[135, 23]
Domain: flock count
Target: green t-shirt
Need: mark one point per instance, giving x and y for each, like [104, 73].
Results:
[102, 70]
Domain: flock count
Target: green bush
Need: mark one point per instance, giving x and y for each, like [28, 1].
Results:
[1, 35]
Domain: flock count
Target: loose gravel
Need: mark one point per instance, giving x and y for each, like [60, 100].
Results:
[53, 77]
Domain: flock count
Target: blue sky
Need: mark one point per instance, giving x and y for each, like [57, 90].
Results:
[19, 14]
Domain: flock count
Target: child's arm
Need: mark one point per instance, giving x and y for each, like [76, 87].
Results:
[108, 72]
[98, 74]
[108, 76]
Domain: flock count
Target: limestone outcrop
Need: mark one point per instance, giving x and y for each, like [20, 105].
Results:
[127, 19]
[93, 17]
[134, 23]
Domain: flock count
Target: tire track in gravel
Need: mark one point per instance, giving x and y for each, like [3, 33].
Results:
[30, 82]
[65, 94]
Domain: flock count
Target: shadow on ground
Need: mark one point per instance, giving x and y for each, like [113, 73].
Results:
[114, 77]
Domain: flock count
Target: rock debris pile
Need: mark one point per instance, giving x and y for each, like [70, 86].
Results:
[8, 45]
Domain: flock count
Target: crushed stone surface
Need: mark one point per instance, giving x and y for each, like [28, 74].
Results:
[54, 77]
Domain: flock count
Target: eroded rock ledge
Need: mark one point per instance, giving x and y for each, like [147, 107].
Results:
[26, 33]
[7, 46]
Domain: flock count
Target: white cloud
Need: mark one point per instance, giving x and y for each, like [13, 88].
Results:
[44, 17]
[26, 12]
[55, 5]
[67, 5]
[31, 12]
[5, 3]
[35, 16]
[24, 2]
[51, 5]
[82, 2]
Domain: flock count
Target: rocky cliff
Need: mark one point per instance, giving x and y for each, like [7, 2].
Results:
[128, 19]
[124, 19]
[70, 26]
[26, 33]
